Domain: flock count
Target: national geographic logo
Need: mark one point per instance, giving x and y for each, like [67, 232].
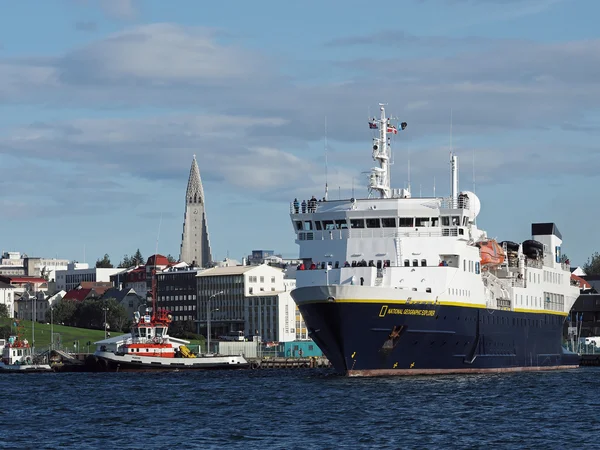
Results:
[385, 310]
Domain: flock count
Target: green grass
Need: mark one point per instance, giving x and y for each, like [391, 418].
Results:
[68, 335]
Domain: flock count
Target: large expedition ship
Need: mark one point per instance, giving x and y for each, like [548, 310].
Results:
[397, 285]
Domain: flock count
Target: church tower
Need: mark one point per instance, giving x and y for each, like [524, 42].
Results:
[195, 246]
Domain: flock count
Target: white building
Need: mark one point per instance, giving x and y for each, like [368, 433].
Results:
[225, 289]
[12, 264]
[7, 297]
[272, 316]
[77, 273]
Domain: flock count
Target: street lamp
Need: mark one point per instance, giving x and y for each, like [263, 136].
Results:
[51, 327]
[105, 309]
[208, 320]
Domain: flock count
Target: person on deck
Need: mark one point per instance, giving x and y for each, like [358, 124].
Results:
[296, 206]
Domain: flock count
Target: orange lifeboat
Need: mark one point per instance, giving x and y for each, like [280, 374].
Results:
[491, 253]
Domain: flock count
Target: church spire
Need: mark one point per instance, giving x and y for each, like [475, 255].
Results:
[194, 193]
[195, 245]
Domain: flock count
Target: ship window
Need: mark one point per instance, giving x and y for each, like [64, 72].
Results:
[405, 222]
[318, 225]
[477, 267]
[388, 222]
[422, 222]
[357, 223]
[372, 223]
[328, 225]
[423, 262]
[455, 221]
[386, 263]
[428, 290]
[415, 262]
[142, 332]
[445, 221]
[465, 265]
[465, 221]
[435, 221]
[379, 264]
[298, 225]
[307, 225]
[406, 263]
[341, 224]
[461, 231]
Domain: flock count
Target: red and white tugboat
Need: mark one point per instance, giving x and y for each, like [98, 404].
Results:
[149, 347]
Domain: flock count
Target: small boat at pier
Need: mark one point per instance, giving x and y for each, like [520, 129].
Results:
[18, 356]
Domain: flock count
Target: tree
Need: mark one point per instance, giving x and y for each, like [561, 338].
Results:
[171, 259]
[4, 312]
[63, 312]
[137, 258]
[126, 262]
[104, 262]
[132, 261]
[592, 267]
[5, 331]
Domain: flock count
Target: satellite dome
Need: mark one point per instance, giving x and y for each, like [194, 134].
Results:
[473, 205]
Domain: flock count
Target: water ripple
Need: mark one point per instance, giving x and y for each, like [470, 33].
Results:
[299, 409]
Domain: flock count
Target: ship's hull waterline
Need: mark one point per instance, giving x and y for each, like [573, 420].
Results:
[386, 337]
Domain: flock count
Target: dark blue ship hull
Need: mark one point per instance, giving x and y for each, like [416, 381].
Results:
[373, 338]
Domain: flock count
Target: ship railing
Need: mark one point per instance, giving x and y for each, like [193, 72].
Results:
[308, 208]
[361, 233]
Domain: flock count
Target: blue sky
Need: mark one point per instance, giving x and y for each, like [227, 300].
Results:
[104, 102]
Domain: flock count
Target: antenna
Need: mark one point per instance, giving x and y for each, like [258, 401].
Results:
[339, 192]
[408, 169]
[450, 131]
[154, 277]
[326, 171]
[473, 171]
[353, 187]
[434, 187]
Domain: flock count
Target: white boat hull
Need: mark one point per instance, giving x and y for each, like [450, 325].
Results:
[109, 361]
[24, 368]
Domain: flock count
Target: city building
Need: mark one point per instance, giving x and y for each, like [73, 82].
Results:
[88, 290]
[140, 278]
[585, 316]
[225, 292]
[176, 291]
[195, 244]
[13, 263]
[271, 315]
[127, 298]
[44, 267]
[7, 297]
[77, 273]
[31, 305]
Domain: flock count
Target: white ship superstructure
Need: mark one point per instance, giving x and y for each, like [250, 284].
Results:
[392, 248]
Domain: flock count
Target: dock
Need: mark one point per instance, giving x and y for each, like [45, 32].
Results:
[312, 362]
[590, 359]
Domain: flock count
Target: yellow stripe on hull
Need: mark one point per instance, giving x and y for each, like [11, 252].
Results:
[438, 302]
